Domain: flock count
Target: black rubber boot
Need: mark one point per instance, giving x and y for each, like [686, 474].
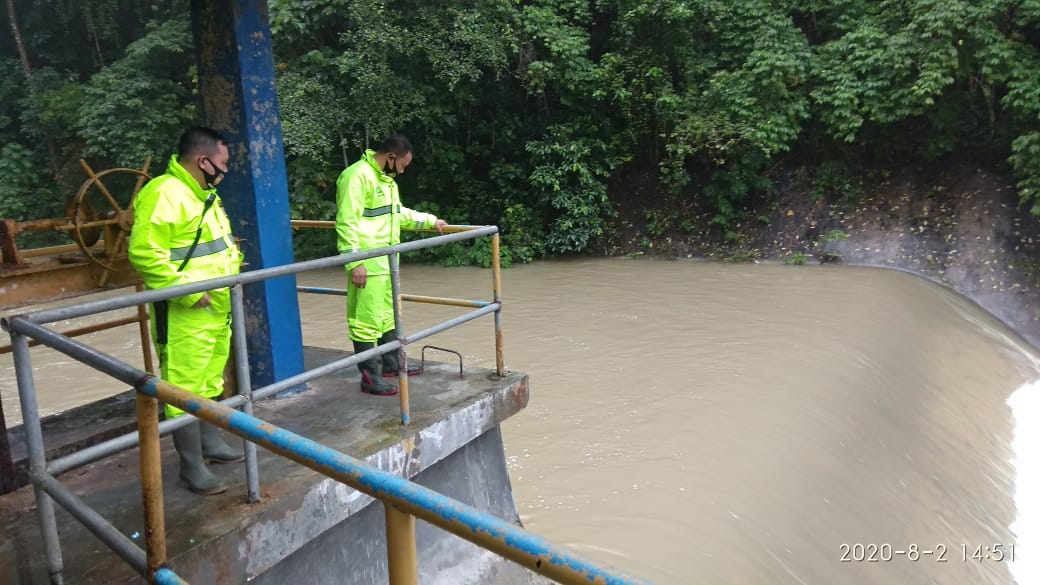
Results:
[371, 370]
[200, 480]
[214, 449]
[390, 360]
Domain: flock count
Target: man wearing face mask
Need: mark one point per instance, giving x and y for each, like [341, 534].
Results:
[370, 215]
[181, 234]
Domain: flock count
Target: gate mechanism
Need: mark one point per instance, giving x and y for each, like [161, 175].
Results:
[115, 222]
[98, 218]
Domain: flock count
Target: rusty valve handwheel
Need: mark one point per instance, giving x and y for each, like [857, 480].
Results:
[87, 224]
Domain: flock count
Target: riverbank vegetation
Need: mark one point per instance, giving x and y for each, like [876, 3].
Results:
[562, 121]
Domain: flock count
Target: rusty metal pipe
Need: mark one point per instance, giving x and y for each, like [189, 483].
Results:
[50, 251]
[496, 275]
[86, 225]
[328, 223]
[320, 290]
[444, 301]
[37, 225]
[404, 297]
[151, 481]
[143, 329]
[144, 173]
[312, 223]
[85, 330]
[452, 229]
[402, 353]
[400, 547]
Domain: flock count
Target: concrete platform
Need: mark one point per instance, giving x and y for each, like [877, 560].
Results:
[307, 528]
[74, 430]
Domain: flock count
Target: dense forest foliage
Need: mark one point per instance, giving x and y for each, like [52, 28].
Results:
[538, 114]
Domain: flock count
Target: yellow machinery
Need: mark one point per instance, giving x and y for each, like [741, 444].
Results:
[98, 219]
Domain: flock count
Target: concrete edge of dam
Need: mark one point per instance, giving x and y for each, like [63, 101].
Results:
[307, 528]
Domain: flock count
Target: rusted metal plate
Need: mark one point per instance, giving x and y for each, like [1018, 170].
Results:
[59, 278]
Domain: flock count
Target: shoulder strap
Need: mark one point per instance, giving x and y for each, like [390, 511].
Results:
[198, 233]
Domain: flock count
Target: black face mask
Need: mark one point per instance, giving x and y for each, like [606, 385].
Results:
[212, 179]
[390, 171]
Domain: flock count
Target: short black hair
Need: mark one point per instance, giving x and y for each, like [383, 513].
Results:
[199, 140]
[395, 144]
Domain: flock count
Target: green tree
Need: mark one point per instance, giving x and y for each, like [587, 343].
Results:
[534, 115]
[134, 106]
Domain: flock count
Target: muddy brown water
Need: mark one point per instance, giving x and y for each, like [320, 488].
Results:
[753, 424]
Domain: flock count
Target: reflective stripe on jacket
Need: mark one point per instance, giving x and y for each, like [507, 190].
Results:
[369, 212]
[167, 214]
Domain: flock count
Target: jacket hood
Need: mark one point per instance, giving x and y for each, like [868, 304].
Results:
[175, 169]
[370, 158]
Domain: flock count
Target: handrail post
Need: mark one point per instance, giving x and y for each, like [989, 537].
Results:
[150, 454]
[245, 387]
[400, 546]
[146, 338]
[496, 275]
[151, 482]
[402, 353]
[37, 454]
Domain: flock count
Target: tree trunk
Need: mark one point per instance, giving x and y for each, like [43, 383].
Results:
[94, 33]
[26, 69]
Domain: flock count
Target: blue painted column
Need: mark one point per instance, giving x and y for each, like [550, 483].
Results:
[239, 99]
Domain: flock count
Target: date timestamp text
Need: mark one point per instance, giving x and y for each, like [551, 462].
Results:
[939, 553]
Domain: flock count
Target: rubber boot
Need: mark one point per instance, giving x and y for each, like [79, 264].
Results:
[390, 360]
[371, 370]
[200, 480]
[214, 449]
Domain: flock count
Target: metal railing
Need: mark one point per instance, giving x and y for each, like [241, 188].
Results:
[9, 477]
[482, 307]
[403, 500]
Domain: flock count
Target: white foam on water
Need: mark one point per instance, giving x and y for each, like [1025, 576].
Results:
[1025, 406]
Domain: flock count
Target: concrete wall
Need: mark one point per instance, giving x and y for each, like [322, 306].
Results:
[354, 551]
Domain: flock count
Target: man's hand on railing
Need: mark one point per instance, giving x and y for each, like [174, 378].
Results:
[439, 225]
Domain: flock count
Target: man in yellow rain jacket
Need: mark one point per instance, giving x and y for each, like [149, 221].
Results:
[370, 215]
[181, 234]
